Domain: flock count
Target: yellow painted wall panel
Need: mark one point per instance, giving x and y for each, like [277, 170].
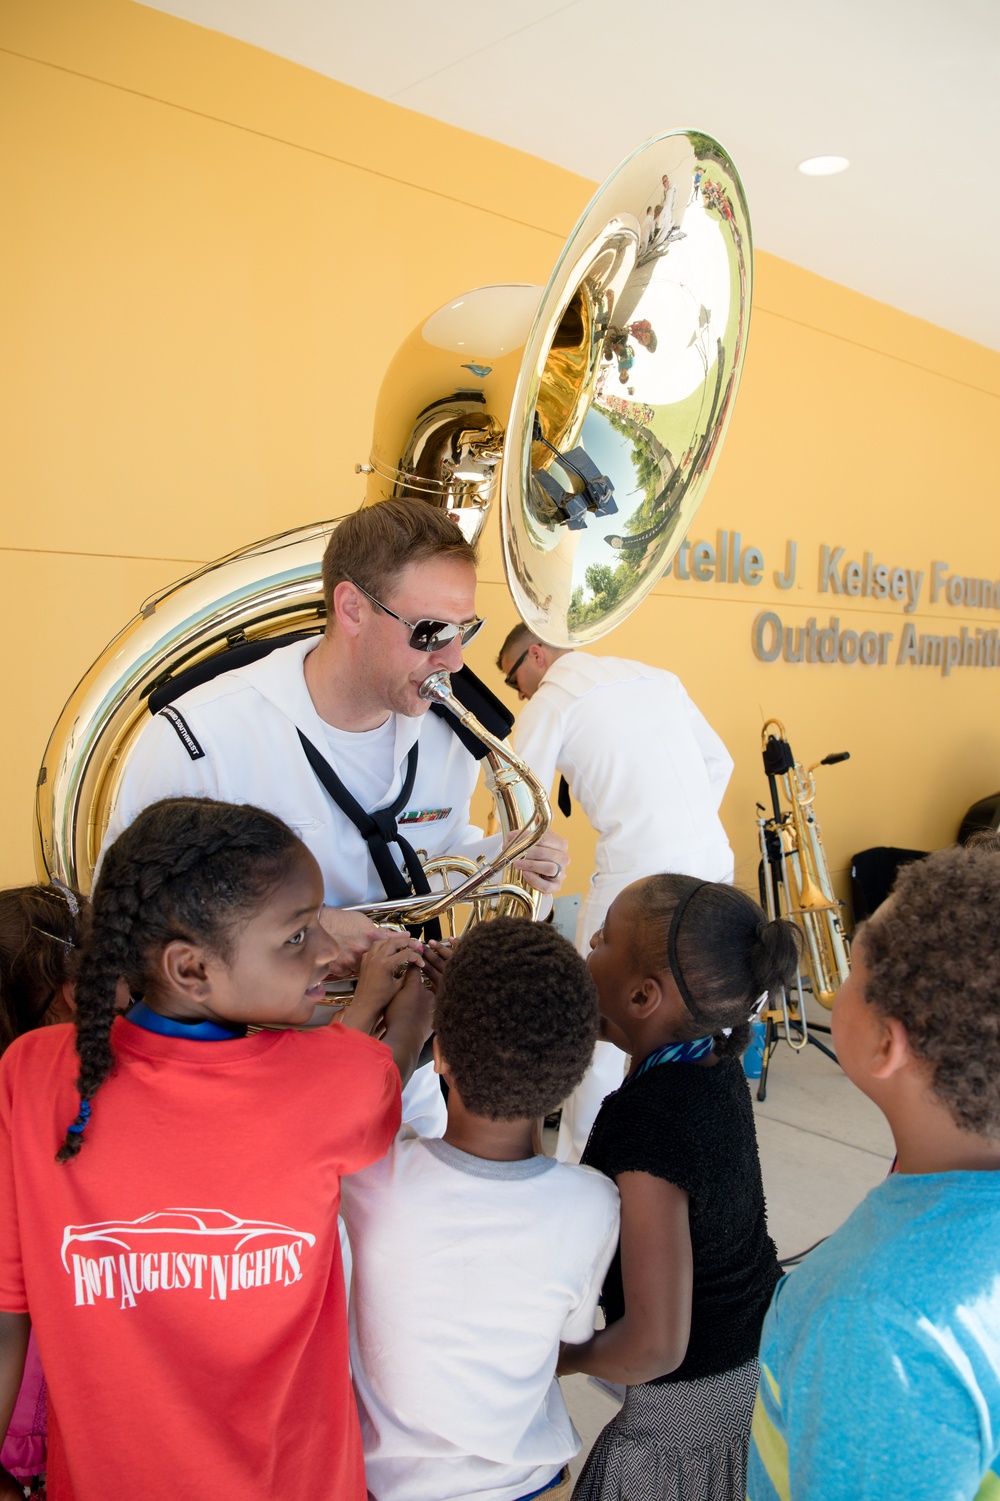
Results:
[199, 319]
[798, 296]
[57, 612]
[144, 52]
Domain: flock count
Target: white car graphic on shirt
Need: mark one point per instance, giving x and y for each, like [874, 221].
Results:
[167, 1223]
[207, 1251]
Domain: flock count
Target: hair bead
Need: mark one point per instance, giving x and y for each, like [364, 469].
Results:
[80, 1124]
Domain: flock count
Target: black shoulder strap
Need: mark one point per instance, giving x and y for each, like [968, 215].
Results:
[238, 654]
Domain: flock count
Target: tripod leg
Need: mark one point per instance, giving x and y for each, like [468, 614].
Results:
[823, 1048]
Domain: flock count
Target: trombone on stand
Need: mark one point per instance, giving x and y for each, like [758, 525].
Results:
[795, 883]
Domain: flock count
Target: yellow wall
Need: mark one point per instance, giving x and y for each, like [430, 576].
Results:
[209, 257]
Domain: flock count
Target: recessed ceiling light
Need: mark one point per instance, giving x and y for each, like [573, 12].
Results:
[823, 166]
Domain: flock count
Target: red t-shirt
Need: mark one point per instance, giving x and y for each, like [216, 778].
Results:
[183, 1273]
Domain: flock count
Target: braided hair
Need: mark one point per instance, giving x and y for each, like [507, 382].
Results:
[187, 869]
[721, 949]
[38, 936]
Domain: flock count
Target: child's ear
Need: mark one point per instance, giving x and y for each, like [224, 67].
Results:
[440, 1066]
[647, 998]
[892, 1051]
[183, 967]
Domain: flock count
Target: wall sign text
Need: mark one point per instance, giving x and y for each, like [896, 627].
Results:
[884, 581]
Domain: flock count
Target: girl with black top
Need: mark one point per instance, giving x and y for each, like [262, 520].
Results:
[681, 967]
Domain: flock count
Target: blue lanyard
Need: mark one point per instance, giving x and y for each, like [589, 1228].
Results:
[152, 1021]
[676, 1052]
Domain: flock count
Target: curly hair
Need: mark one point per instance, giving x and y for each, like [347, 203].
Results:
[39, 927]
[932, 953]
[727, 953]
[372, 546]
[188, 868]
[516, 1019]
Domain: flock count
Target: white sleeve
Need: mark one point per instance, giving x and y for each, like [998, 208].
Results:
[537, 737]
[458, 776]
[718, 761]
[603, 1235]
[159, 766]
[472, 843]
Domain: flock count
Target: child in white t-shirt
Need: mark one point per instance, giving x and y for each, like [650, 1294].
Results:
[473, 1255]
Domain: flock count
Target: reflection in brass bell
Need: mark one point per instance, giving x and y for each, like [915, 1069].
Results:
[596, 407]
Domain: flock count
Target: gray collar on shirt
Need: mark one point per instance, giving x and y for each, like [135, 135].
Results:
[485, 1167]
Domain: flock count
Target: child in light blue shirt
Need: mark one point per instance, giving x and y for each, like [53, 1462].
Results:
[880, 1356]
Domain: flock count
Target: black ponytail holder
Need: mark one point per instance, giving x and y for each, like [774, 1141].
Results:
[672, 959]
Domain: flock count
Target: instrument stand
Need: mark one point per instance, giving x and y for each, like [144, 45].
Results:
[777, 900]
[776, 1017]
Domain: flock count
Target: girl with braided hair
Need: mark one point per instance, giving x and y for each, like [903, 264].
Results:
[169, 1185]
[682, 966]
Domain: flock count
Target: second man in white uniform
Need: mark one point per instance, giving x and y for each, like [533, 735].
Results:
[649, 772]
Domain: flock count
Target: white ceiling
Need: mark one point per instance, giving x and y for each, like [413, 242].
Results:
[908, 90]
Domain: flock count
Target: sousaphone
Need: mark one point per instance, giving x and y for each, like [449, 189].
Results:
[595, 407]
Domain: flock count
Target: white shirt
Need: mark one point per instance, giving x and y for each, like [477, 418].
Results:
[467, 1274]
[645, 766]
[246, 723]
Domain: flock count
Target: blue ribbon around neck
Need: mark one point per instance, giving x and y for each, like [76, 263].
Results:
[676, 1052]
[143, 1016]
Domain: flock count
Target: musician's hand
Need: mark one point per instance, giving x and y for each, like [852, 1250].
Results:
[544, 865]
[354, 935]
[436, 956]
[382, 974]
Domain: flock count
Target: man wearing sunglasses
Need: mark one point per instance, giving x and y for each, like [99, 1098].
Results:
[648, 771]
[399, 583]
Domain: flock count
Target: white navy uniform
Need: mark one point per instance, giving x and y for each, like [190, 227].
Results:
[236, 738]
[650, 773]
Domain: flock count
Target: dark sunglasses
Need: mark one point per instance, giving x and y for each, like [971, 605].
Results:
[511, 678]
[428, 635]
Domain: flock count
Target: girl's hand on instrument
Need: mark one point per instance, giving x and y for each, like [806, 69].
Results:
[354, 935]
[436, 956]
[409, 1018]
[382, 973]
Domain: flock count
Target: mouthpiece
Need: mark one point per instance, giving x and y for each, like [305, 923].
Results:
[438, 686]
